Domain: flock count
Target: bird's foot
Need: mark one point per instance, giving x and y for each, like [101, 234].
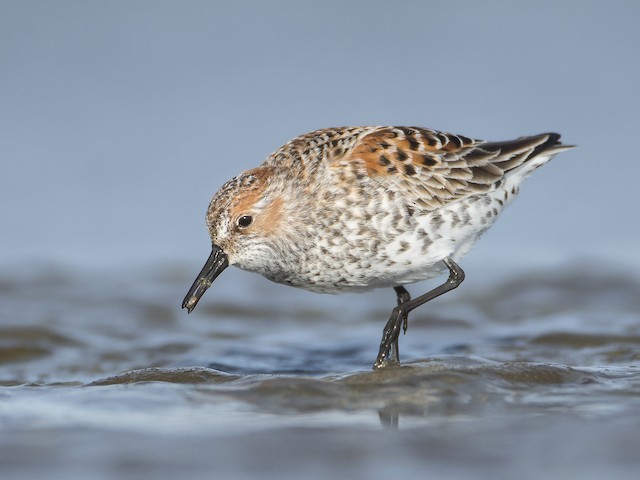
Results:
[389, 353]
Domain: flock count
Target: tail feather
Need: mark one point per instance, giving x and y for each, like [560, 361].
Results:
[525, 153]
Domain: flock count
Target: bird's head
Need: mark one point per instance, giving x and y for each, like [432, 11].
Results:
[244, 221]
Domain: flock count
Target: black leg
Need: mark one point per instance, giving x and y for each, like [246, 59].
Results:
[388, 353]
[403, 297]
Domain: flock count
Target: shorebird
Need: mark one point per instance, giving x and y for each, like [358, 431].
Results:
[357, 208]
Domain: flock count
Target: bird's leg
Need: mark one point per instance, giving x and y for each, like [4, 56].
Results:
[394, 352]
[403, 297]
[388, 353]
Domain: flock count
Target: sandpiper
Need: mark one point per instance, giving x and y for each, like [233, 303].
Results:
[356, 208]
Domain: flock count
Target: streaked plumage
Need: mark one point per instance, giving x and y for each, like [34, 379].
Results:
[356, 208]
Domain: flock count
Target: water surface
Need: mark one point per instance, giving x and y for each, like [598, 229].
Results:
[103, 376]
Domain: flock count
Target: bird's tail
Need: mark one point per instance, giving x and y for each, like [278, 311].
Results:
[519, 158]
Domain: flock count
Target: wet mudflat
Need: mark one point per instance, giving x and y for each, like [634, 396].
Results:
[102, 376]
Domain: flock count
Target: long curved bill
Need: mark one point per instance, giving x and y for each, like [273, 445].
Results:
[214, 266]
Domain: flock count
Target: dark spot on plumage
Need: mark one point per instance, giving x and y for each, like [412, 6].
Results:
[404, 246]
[500, 202]
[363, 230]
[495, 211]
[455, 140]
[432, 142]
[360, 175]
[410, 210]
[328, 196]
[384, 144]
[391, 169]
[409, 169]
[428, 160]
[391, 194]
[436, 220]
[402, 156]
[465, 140]
[384, 161]
[426, 243]
[413, 143]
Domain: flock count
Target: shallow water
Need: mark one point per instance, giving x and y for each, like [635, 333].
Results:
[103, 376]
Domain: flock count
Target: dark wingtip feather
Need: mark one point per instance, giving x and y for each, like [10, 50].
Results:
[553, 141]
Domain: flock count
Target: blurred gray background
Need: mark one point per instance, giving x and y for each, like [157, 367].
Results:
[119, 120]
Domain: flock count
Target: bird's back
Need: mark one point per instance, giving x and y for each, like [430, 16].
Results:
[428, 167]
[387, 204]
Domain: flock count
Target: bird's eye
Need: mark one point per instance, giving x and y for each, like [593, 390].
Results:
[245, 221]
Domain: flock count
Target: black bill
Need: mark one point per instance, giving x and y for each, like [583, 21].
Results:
[216, 263]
